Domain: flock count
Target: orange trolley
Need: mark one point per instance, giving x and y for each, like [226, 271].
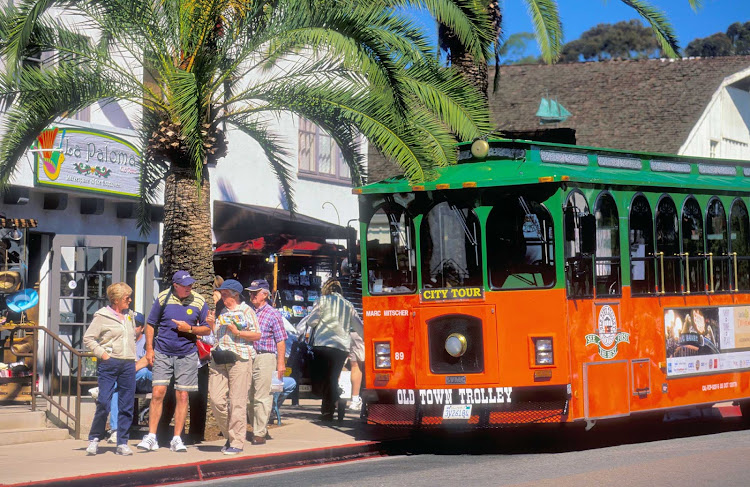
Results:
[545, 283]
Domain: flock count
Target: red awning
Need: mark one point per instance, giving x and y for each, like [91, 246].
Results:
[281, 245]
[248, 247]
[306, 247]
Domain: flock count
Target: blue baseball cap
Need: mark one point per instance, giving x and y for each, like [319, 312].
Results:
[183, 278]
[232, 285]
[258, 284]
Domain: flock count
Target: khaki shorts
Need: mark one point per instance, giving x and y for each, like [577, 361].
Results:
[183, 369]
[357, 347]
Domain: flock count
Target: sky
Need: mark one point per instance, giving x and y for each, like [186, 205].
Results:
[580, 15]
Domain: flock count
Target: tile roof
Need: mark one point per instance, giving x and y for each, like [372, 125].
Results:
[648, 105]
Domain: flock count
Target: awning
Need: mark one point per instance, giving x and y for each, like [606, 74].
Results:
[282, 245]
[236, 222]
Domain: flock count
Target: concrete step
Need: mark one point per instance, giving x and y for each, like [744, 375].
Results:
[32, 435]
[21, 419]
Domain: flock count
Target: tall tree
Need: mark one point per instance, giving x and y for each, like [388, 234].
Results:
[622, 40]
[735, 42]
[349, 66]
[548, 30]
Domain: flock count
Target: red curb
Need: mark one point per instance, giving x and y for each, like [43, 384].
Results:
[214, 469]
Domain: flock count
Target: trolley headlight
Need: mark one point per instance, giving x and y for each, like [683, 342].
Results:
[543, 349]
[382, 355]
[456, 344]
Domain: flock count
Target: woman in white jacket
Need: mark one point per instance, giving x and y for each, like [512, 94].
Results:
[111, 337]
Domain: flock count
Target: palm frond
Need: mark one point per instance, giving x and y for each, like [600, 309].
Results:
[659, 24]
[467, 19]
[186, 108]
[546, 20]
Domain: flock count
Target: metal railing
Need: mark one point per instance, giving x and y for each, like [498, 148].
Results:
[64, 402]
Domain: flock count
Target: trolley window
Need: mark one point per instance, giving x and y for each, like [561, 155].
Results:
[390, 252]
[580, 245]
[607, 247]
[739, 228]
[693, 251]
[520, 244]
[642, 262]
[668, 246]
[451, 255]
[717, 246]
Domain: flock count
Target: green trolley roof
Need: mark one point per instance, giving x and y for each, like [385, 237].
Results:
[519, 162]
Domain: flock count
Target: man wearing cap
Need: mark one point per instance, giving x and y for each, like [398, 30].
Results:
[177, 317]
[269, 359]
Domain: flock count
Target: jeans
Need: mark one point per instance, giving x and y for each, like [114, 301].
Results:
[142, 386]
[114, 375]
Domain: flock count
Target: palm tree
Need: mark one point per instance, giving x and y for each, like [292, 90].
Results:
[194, 67]
[548, 30]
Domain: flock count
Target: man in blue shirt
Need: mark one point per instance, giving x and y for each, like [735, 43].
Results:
[177, 317]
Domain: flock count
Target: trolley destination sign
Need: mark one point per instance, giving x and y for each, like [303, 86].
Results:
[452, 293]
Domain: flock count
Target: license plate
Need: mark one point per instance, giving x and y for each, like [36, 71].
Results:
[457, 411]
[305, 388]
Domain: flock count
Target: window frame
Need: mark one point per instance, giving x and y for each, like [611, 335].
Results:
[423, 242]
[410, 221]
[743, 261]
[649, 259]
[661, 279]
[342, 173]
[571, 266]
[615, 260]
[550, 250]
[689, 262]
[721, 257]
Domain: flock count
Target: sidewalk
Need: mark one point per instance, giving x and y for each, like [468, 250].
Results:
[299, 441]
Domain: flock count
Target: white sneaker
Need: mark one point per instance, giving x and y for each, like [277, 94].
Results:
[94, 391]
[93, 447]
[149, 443]
[112, 438]
[356, 404]
[177, 445]
[123, 450]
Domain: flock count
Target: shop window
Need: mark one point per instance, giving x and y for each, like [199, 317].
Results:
[520, 245]
[319, 156]
[391, 260]
[607, 247]
[668, 246]
[451, 254]
[642, 262]
[580, 246]
[693, 250]
[739, 244]
[717, 246]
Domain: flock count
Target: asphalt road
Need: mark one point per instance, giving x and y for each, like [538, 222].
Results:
[639, 454]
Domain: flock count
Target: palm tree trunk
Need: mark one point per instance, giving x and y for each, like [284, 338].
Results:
[187, 229]
[475, 73]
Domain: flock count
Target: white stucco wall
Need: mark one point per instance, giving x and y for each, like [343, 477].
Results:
[725, 122]
[245, 176]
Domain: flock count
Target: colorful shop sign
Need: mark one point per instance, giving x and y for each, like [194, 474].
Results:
[707, 340]
[87, 160]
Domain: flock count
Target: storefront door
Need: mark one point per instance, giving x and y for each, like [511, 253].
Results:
[82, 268]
